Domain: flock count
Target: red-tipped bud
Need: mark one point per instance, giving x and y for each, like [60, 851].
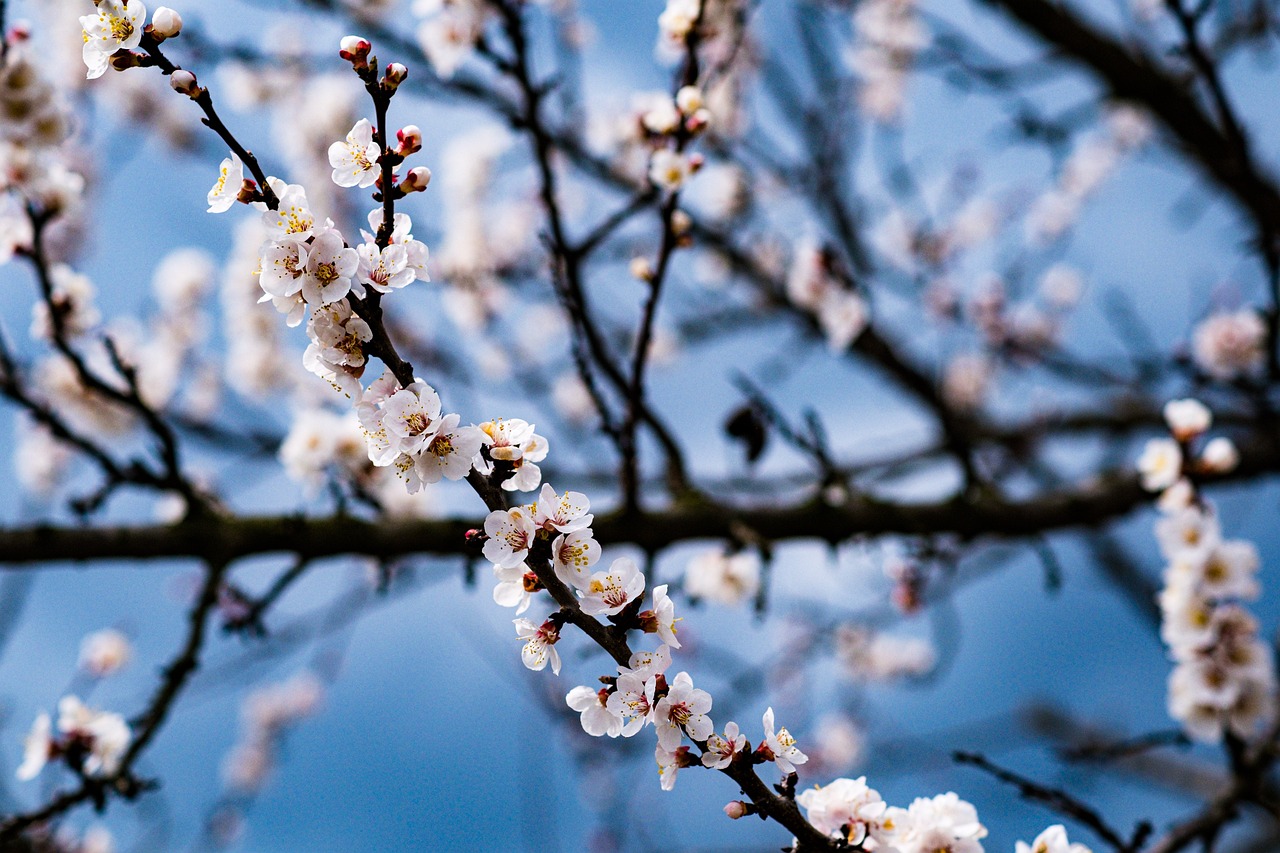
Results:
[410, 139]
[165, 23]
[394, 77]
[416, 181]
[249, 192]
[531, 582]
[475, 539]
[356, 51]
[184, 82]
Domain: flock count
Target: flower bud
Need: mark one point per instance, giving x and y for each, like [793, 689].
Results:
[1220, 456]
[410, 139]
[697, 122]
[641, 268]
[474, 540]
[736, 809]
[184, 82]
[416, 181]
[1187, 418]
[165, 23]
[356, 51]
[689, 99]
[394, 77]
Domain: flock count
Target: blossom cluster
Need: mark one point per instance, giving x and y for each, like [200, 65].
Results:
[1090, 163]
[850, 810]
[556, 529]
[842, 313]
[887, 36]
[1230, 344]
[92, 742]
[1223, 680]
[265, 715]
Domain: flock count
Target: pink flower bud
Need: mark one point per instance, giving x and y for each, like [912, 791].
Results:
[736, 809]
[356, 51]
[410, 139]
[394, 77]
[184, 81]
[416, 181]
[165, 23]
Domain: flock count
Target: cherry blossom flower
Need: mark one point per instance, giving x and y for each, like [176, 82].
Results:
[384, 269]
[510, 533]
[114, 26]
[104, 653]
[846, 809]
[682, 711]
[678, 18]
[944, 822]
[1160, 464]
[513, 441]
[1191, 533]
[540, 648]
[411, 417]
[661, 619]
[669, 169]
[722, 749]
[1187, 418]
[226, 189]
[1220, 456]
[293, 217]
[284, 268]
[878, 656]
[644, 665]
[355, 160]
[780, 747]
[106, 734]
[842, 315]
[449, 453]
[728, 579]
[512, 590]
[597, 718]
[606, 593]
[1052, 840]
[416, 252]
[565, 513]
[37, 749]
[669, 764]
[1230, 344]
[330, 266]
[573, 555]
[336, 352]
[72, 297]
[632, 702]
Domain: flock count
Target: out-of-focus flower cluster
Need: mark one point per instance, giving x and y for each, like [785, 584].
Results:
[1223, 680]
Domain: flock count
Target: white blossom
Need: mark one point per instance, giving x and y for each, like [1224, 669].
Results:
[540, 646]
[355, 159]
[782, 745]
[722, 749]
[607, 593]
[1052, 840]
[114, 26]
[226, 189]
[105, 652]
[683, 709]
[597, 719]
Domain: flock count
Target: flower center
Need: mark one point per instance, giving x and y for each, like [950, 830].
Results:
[326, 274]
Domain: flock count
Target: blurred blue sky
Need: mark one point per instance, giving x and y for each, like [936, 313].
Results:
[434, 737]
